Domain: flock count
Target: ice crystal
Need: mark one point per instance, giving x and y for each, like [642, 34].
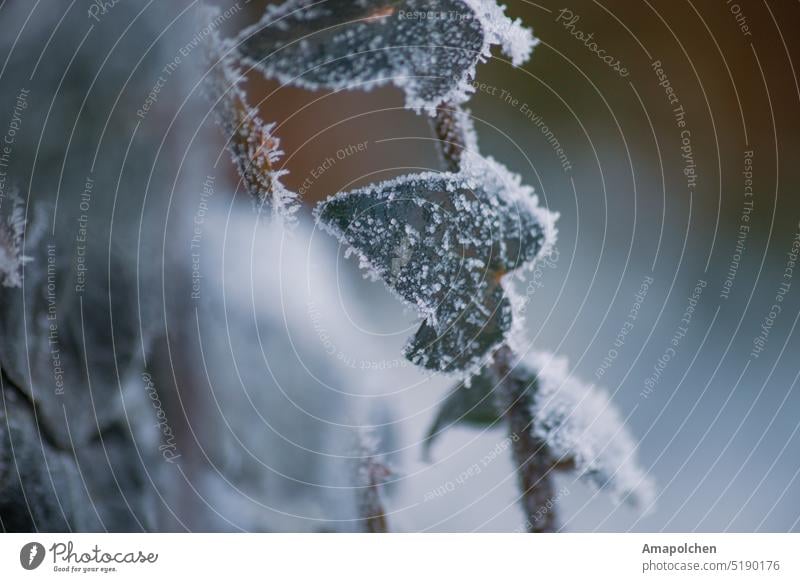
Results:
[254, 148]
[442, 242]
[582, 426]
[428, 48]
[12, 231]
[515, 40]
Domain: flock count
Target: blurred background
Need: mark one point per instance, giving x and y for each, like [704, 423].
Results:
[231, 362]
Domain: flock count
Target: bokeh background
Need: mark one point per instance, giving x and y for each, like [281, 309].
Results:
[268, 349]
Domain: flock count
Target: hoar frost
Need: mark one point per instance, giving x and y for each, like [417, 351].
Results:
[580, 424]
[579, 427]
[427, 48]
[254, 149]
[443, 242]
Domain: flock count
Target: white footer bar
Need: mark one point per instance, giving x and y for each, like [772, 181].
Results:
[401, 557]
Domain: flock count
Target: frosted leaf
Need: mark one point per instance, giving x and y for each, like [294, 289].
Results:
[12, 231]
[460, 339]
[442, 242]
[515, 40]
[582, 426]
[428, 48]
[495, 177]
[254, 148]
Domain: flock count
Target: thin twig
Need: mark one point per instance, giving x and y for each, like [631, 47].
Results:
[534, 466]
[372, 474]
[373, 513]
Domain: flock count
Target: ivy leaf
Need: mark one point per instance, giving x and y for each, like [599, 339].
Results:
[584, 430]
[456, 340]
[472, 405]
[581, 429]
[429, 48]
[443, 242]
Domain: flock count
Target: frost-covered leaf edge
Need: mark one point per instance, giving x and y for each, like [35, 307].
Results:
[516, 42]
[593, 412]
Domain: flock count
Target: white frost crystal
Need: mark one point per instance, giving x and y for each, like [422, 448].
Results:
[580, 424]
[427, 48]
[516, 41]
[580, 428]
[254, 148]
[443, 242]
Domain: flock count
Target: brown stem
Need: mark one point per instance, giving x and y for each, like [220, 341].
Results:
[452, 136]
[534, 466]
[373, 514]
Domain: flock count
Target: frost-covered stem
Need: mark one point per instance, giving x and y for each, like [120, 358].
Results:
[534, 467]
[373, 514]
[371, 475]
[253, 146]
[453, 136]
